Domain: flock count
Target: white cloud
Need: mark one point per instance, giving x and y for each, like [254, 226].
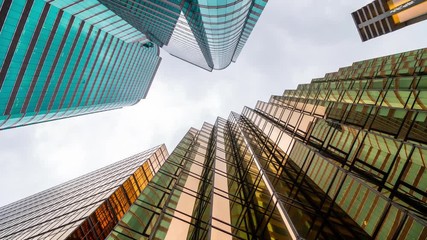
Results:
[293, 42]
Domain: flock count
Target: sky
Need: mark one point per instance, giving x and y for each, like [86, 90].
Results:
[293, 42]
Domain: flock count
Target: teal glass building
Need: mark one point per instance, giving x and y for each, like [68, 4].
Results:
[61, 59]
[64, 58]
[207, 33]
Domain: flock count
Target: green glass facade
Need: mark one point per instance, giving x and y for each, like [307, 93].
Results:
[62, 59]
[206, 33]
[343, 157]
[87, 207]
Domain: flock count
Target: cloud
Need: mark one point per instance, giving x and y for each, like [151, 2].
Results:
[293, 42]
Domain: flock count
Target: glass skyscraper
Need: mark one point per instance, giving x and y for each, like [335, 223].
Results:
[207, 33]
[383, 16]
[87, 207]
[343, 157]
[62, 60]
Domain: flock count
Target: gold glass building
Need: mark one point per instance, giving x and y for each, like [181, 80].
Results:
[343, 157]
[87, 207]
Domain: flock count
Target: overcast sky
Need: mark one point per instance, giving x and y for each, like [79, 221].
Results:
[293, 42]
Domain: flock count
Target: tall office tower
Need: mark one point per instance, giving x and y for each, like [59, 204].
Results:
[207, 33]
[64, 58]
[87, 207]
[343, 157]
[60, 60]
[383, 16]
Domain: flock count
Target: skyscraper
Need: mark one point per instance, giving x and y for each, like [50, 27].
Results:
[383, 16]
[86, 207]
[207, 33]
[343, 157]
[62, 60]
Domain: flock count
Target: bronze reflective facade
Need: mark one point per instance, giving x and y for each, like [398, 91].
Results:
[343, 157]
[87, 207]
[383, 16]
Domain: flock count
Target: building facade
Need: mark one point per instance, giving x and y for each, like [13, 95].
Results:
[207, 33]
[343, 157]
[65, 58]
[60, 61]
[384, 16]
[87, 207]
